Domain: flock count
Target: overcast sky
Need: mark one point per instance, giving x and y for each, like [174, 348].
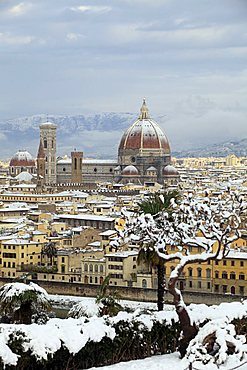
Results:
[187, 57]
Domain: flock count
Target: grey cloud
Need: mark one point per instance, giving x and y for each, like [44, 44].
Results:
[57, 59]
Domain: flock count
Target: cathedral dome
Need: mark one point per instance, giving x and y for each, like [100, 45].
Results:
[144, 134]
[22, 159]
[130, 171]
[170, 171]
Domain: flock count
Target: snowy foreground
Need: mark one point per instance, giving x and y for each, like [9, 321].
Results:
[168, 362]
[74, 334]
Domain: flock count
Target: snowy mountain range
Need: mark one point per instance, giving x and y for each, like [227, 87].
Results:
[98, 135]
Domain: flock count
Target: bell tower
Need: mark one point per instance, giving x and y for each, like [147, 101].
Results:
[76, 167]
[48, 139]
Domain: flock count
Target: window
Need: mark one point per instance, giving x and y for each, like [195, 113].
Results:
[101, 268]
[216, 274]
[190, 284]
[242, 263]
[241, 290]
[96, 269]
[199, 272]
[190, 271]
[64, 169]
[208, 285]
[144, 283]
[224, 288]
[216, 288]
[224, 275]
[91, 268]
[96, 280]
[216, 262]
[232, 263]
[232, 275]
[199, 284]
[95, 170]
[62, 269]
[241, 276]
[45, 143]
[86, 267]
[208, 273]
[224, 263]
[91, 280]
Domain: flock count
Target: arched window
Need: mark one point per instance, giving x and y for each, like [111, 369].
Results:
[144, 283]
[96, 280]
[91, 280]
[101, 268]
[233, 276]
[96, 268]
[190, 270]
[45, 143]
[233, 290]
[86, 267]
[199, 272]
[86, 279]
[224, 275]
[216, 274]
[208, 273]
[91, 268]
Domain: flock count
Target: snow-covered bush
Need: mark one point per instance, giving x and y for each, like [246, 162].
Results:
[87, 342]
[19, 301]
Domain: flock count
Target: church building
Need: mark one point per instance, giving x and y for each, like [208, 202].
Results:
[144, 156]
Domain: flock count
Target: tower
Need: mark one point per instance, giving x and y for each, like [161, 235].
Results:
[76, 167]
[48, 139]
[40, 166]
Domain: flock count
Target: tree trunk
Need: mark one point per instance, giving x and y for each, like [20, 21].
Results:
[161, 285]
[189, 331]
[25, 313]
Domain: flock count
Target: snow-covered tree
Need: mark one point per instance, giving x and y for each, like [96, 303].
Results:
[216, 219]
[20, 301]
[153, 205]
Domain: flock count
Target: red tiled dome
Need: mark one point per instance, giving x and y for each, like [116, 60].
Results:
[22, 159]
[144, 134]
[130, 171]
[170, 171]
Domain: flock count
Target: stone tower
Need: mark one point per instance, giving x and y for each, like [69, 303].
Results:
[40, 166]
[76, 167]
[48, 139]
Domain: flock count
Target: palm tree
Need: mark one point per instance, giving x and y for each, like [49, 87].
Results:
[108, 300]
[155, 204]
[20, 301]
[50, 251]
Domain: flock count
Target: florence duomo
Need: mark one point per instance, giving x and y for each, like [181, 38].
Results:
[144, 157]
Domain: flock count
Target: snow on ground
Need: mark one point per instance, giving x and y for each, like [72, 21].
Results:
[46, 339]
[169, 362]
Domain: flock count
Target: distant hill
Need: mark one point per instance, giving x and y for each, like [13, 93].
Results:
[237, 147]
[98, 135]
